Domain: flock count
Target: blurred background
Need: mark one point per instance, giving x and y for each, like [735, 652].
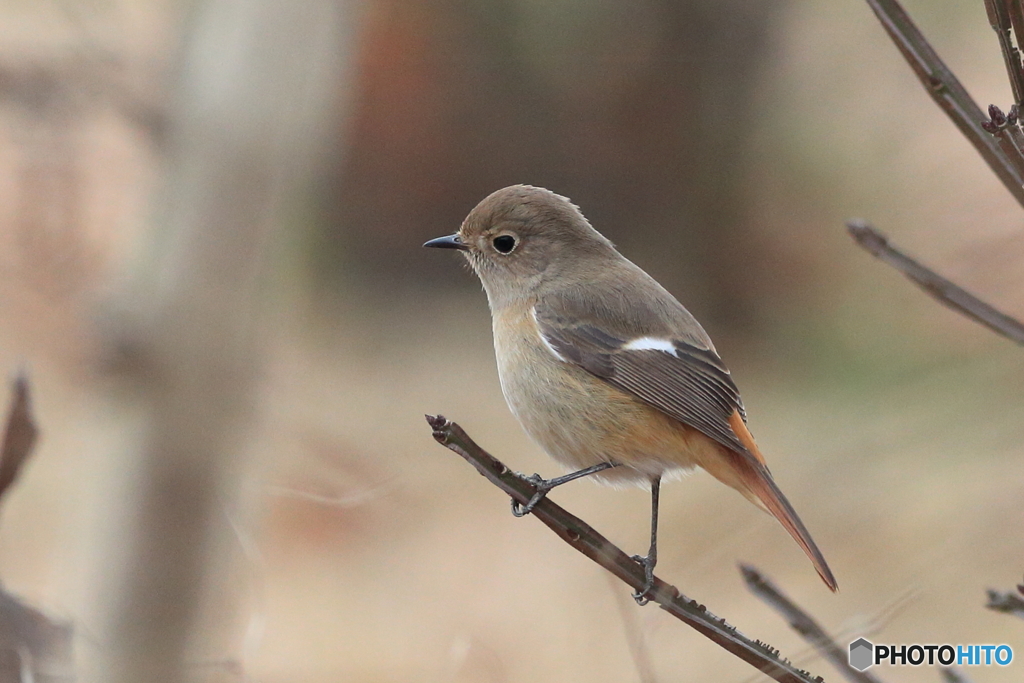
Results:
[720, 145]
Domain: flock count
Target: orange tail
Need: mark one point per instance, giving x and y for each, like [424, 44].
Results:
[758, 481]
[748, 474]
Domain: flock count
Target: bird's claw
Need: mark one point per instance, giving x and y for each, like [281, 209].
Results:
[519, 510]
[641, 596]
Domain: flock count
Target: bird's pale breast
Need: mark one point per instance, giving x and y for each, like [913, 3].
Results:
[580, 420]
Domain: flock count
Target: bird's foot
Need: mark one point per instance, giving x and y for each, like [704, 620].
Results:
[642, 596]
[543, 486]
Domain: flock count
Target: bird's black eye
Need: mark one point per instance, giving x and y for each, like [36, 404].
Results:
[504, 243]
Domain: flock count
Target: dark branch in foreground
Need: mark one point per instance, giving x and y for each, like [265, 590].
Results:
[939, 287]
[803, 623]
[586, 540]
[951, 96]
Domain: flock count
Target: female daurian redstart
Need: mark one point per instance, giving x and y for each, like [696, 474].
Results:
[603, 368]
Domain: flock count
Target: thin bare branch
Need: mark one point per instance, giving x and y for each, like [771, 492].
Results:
[873, 624]
[19, 434]
[950, 94]
[999, 18]
[586, 540]
[1015, 10]
[1005, 129]
[801, 622]
[940, 288]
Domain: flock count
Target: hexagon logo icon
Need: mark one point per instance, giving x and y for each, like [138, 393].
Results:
[862, 653]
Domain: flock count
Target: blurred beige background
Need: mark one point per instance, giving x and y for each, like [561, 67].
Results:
[721, 146]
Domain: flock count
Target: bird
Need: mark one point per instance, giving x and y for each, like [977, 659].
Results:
[603, 368]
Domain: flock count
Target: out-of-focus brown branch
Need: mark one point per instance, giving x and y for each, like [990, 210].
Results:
[801, 622]
[19, 434]
[1006, 160]
[61, 86]
[940, 288]
[586, 540]
[32, 645]
[1009, 603]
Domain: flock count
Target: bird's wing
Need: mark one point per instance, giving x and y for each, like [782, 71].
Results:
[654, 349]
[676, 371]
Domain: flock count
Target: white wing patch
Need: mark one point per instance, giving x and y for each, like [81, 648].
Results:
[544, 340]
[651, 344]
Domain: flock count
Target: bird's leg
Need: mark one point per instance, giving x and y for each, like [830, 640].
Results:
[545, 485]
[652, 555]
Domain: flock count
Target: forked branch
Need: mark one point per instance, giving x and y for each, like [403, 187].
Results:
[945, 88]
[586, 540]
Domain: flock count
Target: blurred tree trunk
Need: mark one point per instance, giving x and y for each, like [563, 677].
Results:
[254, 80]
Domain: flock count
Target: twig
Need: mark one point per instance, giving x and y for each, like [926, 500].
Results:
[874, 624]
[999, 18]
[19, 434]
[1016, 12]
[1008, 603]
[950, 94]
[586, 540]
[939, 287]
[42, 647]
[1004, 128]
[802, 623]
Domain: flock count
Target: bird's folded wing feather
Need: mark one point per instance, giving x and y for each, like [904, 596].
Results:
[636, 350]
[655, 350]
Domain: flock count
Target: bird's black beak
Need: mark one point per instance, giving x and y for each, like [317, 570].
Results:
[448, 242]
